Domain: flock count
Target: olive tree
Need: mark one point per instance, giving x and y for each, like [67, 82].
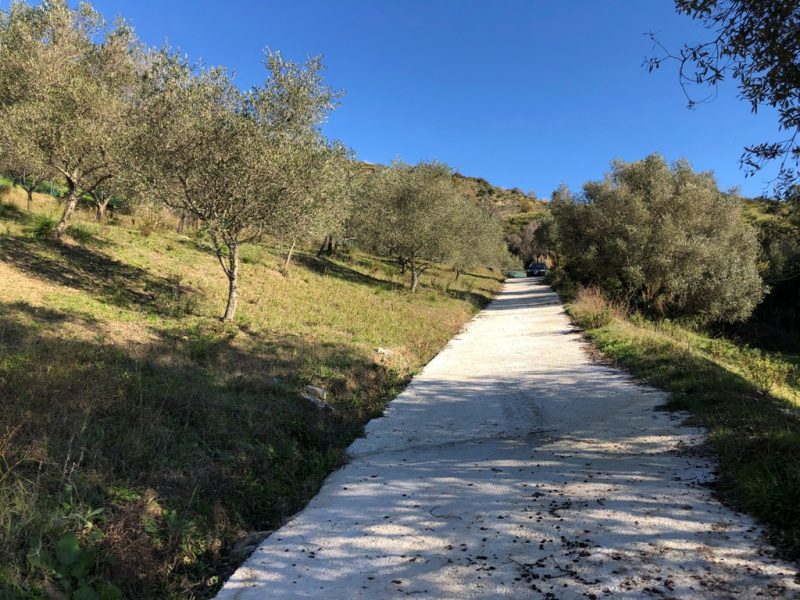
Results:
[198, 154]
[66, 81]
[317, 197]
[290, 109]
[244, 164]
[663, 234]
[416, 213]
[477, 238]
[754, 42]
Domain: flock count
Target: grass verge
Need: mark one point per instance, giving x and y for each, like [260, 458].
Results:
[141, 438]
[747, 400]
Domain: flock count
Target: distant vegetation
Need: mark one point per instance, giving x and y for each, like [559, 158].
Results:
[499, 200]
[417, 214]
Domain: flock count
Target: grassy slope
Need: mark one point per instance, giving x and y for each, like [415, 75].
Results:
[157, 435]
[746, 399]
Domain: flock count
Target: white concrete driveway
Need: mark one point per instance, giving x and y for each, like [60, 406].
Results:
[515, 467]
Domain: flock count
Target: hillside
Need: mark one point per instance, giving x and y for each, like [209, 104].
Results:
[141, 437]
[500, 200]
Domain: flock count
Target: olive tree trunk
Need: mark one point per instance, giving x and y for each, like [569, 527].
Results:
[69, 209]
[232, 271]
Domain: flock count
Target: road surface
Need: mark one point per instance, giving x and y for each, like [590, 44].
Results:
[515, 467]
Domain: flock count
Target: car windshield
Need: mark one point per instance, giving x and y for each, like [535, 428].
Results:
[538, 266]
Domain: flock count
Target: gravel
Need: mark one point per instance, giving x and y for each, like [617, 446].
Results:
[515, 467]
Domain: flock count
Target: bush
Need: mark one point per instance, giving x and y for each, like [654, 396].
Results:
[764, 371]
[149, 220]
[41, 225]
[590, 309]
[663, 236]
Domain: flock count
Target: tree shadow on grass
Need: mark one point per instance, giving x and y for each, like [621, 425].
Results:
[325, 266]
[11, 212]
[477, 300]
[88, 270]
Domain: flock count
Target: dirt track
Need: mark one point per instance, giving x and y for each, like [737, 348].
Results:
[515, 467]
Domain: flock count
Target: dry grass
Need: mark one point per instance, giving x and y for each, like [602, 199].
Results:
[158, 435]
[591, 310]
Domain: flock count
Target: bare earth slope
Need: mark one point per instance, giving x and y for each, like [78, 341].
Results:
[513, 466]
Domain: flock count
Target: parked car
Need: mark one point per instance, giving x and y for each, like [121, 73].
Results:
[536, 269]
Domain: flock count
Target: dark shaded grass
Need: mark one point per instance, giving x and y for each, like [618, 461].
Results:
[194, 424]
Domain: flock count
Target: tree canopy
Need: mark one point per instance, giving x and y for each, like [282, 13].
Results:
[661, 235]
[67, 78]
[246, 164]
[756, 43]
[417, 214]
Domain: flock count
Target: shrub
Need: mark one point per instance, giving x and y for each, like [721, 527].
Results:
[81, 233]
[41, 225]
[764, 371]
[590, 310]
[149, 220]
[662, 235]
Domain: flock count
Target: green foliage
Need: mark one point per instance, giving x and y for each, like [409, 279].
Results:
[753, 43]
[497, 200]
[73, 565]
[663, 237]
[766, 372]
[590, 310]
[417, 214]
[41, 225]
[776, 320]
[66, 77]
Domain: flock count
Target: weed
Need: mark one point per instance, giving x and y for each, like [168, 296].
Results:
[177, 299]
[766, 372]
[82, 233]
[590, 309]
[7, 209]
[41, 225]
[149, 220]
[118, 293]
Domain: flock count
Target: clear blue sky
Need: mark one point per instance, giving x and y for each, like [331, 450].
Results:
[524, 93]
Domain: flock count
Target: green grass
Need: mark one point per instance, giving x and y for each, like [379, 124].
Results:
[146, 436]
[745, 398]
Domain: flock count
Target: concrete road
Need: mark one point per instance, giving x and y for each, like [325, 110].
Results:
[515, 467]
